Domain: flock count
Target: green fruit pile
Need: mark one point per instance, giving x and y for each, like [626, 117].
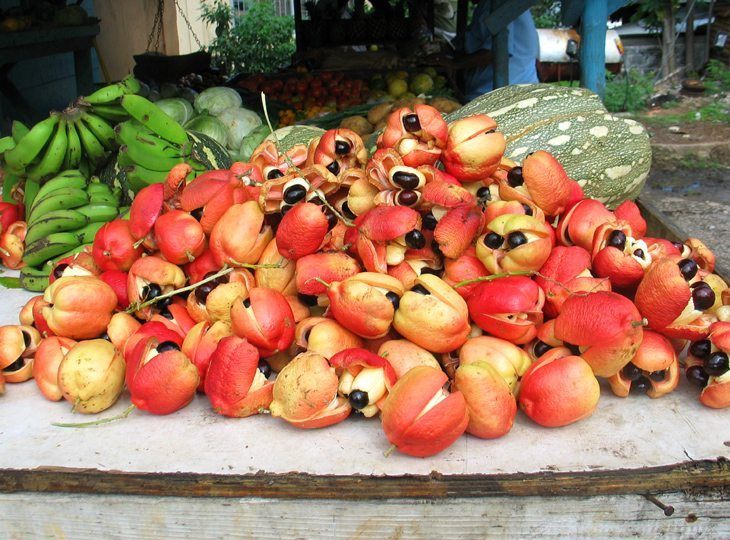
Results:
[63, 218]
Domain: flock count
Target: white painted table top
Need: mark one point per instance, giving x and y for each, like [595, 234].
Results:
[622, 434]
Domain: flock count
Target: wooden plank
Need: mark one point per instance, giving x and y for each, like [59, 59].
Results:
[139, 518]
[47, 35]
[697, 475]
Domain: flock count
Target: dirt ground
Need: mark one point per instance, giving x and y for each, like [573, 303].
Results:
[698, 200]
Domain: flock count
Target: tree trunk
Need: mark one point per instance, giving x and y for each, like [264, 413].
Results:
[689, 40]
[669, 62]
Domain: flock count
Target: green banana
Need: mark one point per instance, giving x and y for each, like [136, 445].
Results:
[100, 128]
[131, 84]
[56, 221]
[154, 118]
[138, 155]
[51, 246]
[61, 199]
[74, 151]
[6, 143]
[30, 190]
[66, 179]
[96, 186]
[140, 177]
[107, 94]
[18, 130]
[93, 149]
[32, 144]
[111, 113]
[86, 234]
[55, 153]
[98, 213]
[35, 279]
[103, 198]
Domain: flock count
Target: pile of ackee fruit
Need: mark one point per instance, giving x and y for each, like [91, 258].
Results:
[315, 282]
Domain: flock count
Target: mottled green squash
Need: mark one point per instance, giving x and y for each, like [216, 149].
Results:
[608, 155]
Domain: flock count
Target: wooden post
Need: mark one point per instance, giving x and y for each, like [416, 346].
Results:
[669, 64]
[500, 51]
[593, 46]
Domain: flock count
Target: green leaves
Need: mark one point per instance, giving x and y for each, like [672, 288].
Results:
[258, 41]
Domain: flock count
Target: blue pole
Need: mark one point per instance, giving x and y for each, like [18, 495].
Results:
[593, 46]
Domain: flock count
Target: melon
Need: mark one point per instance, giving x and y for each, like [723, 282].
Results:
[608, 155]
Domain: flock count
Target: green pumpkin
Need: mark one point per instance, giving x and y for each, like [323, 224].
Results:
[609, 156]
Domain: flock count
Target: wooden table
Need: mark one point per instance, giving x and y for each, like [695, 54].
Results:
[29, 44]
[195, 473]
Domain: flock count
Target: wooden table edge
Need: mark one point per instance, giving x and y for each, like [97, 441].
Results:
[695, 476]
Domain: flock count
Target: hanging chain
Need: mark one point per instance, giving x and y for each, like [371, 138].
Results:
[190, 27]
[156, 32]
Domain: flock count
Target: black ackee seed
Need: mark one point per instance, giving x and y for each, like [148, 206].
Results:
[265, 368]
[484, 194]
[717, 364]
[58, 271]
[411, 123]
[493, 240]
[639, 253]
[167, 346]
[658, 376]
[166, 313]
[516, 239]
[640, 385]
[429, 221]
[151, 291]
[26, 339]
[202, 292]
[688, 268]
[528, 209]
[429, 270]
[358, 399]
[334, 167]
[631, 372]
[15, 366]
[406, 198]
[703, 297]
[307, 299]
[394, 299]
[420, 289]
[349, 214]
[247, 303]
[274, 173]
[679, 246]
[197, 213]
[415, 239]
[165, 302]
[331, 217]
[540, 348]
[573, 348]
[701, 349]
[698, 376]
[617, 239]
[405, 179]
[342, 148]
[294, 193]
[514, 177]
[317, 200]
[436, 249]
[284, 209]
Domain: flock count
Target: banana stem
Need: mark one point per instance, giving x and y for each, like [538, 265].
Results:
[138, 243]
[493, 277]
[276, 139]
[320, 280]
[101, 422]
[389, 451]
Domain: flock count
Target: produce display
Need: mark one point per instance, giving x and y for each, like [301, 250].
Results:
[436, 283]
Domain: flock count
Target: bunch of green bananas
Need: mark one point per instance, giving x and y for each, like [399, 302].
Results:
[151, 143]
[82, 136]
[64, 217]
